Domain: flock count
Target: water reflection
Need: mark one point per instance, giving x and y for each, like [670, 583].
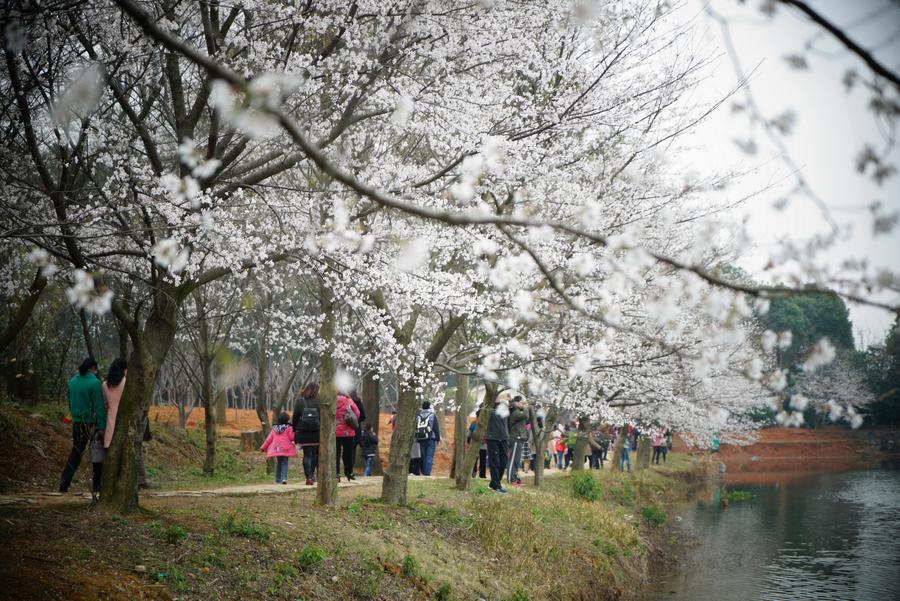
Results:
[822, 536]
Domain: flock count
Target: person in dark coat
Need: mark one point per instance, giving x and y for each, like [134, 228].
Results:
[306, 429]
[497, 443]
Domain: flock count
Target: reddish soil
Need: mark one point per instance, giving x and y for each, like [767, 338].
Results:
[799, 450]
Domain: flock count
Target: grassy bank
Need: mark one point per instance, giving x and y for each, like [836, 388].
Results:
[35, 443]
[530, 544]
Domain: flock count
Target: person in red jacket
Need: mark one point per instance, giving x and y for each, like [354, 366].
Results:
[346, 434]
[280, 445]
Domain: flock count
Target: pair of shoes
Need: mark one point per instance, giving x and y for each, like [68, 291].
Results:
[309, 481]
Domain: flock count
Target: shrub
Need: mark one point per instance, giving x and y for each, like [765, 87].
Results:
[171, 533]
[585, 487]
[243, 527]
[409, 566]
[653, 515]
[309, 556]
[443, 593]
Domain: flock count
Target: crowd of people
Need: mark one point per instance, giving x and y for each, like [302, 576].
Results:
[510, 445]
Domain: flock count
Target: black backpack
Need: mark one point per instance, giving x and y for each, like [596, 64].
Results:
[423, 425]
[309, 418]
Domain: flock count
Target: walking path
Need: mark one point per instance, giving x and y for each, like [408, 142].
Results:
[50, 498]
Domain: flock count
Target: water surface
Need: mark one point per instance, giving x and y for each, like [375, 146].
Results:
[819, 536]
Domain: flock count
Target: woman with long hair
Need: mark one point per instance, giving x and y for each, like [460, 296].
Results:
[305, 422]
[112, 394]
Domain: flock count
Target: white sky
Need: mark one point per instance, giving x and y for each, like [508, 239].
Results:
[832, 127]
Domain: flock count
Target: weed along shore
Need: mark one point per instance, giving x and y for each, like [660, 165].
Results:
[597, 534]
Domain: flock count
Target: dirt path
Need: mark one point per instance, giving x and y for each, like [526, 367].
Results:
[56, 498]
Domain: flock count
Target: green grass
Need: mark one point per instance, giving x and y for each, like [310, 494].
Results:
[310, 556]
[170, 533]
[653, 515]
[244, 527]
[409, 566]
[585, 486]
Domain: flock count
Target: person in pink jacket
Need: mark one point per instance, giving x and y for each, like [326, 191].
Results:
[280, 445]
[346, 435]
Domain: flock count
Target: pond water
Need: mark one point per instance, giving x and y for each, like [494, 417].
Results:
[819, 536]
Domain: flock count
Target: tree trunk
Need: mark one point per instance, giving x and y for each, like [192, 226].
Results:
[20, 316]
[643, 453]
[209, 420]
[150, 347]
[540, 441]
[617, 450]
[221, 405]
[581, 444]
[371, 398]
[393, 489]
[395, 479]
[464, 470]
[326, 490]
[463, 407]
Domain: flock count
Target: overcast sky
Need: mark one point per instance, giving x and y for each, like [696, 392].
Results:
[832, 127]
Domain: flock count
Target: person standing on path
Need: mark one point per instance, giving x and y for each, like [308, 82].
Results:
[369, 448]
[626, 442]
[279, 445]
[85, 399]
[497, 443]
[428, 434]
[657, 442]
[345, 432]
[112, 394]
[305, 423]
[518, 435]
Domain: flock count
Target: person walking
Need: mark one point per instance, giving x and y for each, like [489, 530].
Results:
[557, 445]
[497, 443]
[85, 399]
[626, 442]
[347, 420]
[428, 434]
[518, 435]
[369, 448]
[279, 444]
[656, 441]
[305, 422]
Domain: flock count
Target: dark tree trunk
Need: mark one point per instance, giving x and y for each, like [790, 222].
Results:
[326, 491]
[463, 407]
[20, 316]
[582, 448]
[150, 347]
[464, 470]
[371, 398]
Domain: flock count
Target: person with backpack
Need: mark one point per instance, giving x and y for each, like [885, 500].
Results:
[279, 445]
[497, 443]
[518, 435]
[85, 399]
[428, 434]
[369, 448]
[305, 424]
[347, 421]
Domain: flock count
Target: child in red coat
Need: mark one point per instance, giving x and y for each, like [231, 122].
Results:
[280, 445]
